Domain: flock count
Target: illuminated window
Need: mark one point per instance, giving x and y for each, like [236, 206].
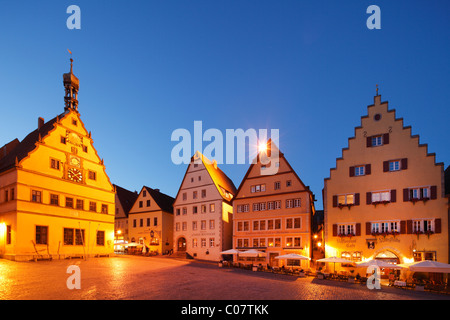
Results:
[35, 196]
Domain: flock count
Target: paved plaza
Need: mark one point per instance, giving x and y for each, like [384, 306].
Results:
[162, 278]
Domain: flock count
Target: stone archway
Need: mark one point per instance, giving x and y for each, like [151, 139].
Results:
[181, 244]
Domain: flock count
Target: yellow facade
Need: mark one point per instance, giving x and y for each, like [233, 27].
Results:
[55, 186]
[385, 197]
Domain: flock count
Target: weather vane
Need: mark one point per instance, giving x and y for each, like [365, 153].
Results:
[376, 85]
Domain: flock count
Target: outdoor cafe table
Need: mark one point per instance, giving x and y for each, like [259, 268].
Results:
[398, 283]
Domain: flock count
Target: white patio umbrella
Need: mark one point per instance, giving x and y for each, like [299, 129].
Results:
[429, 266]
[230, 251]
[335, 260]
[378, 263]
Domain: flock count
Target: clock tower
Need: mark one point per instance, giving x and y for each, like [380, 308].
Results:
[71, 85]
[56, 200]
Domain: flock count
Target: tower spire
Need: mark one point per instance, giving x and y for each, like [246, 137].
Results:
[71, 86]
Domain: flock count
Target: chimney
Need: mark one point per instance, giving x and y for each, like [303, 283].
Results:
[40, 123]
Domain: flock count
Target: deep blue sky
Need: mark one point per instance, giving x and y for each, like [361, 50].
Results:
[146, 68]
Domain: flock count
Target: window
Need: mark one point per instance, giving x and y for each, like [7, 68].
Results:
[79, 237]
[12, 193]
[256, 207]
[63, 140]
[54, 164]
[6, 196]
[194, 243]
[8, 234]
[288, 183]
[148, 222]
[289, 223]
[35, 196]
[148, 203]
[423, 226]
[177, 226]
[420, 193]
[69, 202]
[239, 226]
[41, 235]
[297, 223]
[100, 238]
[211, 224]
[194, 210]
[345, 199]
[377, 141]
[381, 196]
[212, 207]
[203, 242]
[92, 175]
[144, 193]
[141, 222]
[270, 205]
[277, 223]
[80, 204]
[104, 208]
[277, 185]
[134, 223]
[394, 165]
[194, 195]
[262, 206]
[211, 242]
[203, 208]
[289, 203]
[277, 204]
[297, 203]
[194, 225]
[359, 171]
[92, 206]
[141, 204]
[54, 199]
[184, 196]
[346, 229]
[85, 148]
[184, 211]
[203, 193]
[255, 225]
[203, 224]
[246, 226]
[68, 236]
[258, 188]
[178, 212]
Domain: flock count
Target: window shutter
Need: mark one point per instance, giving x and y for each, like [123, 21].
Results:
[369, 198]
[368, 228]
[433, 191]
[334, 230]
[408, 226]
[402, 227]
[356, 199]
[393, 195]
[437, 226]
[386, 138]
[385, 166]
[358, 229]
[405, 195]
[369, 142]
[351, 171]
[404, 163]
[368, 169]
[335, 201]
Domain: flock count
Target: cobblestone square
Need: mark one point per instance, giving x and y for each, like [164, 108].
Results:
[162, 278]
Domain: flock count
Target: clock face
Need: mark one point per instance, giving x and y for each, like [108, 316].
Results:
[74, 175]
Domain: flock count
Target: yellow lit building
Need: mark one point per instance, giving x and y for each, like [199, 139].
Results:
[56, 199]
[150, 221]
[273, 212]
[385, 198]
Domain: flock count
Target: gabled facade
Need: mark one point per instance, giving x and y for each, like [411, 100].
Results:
[273, 212]
[56, 199]
[385, 197]
[124, 201]
[203, 211]
[150, 221]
